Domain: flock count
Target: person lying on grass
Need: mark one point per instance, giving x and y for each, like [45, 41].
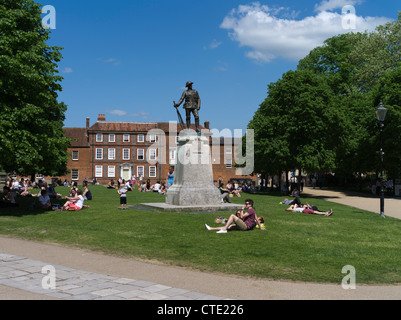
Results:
[308, 210]
[242, 220]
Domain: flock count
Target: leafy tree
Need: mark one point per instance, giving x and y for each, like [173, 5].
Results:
[378, 52]
[321, 116]
[333, 59]
[297, 126]
[271, 150]
[354, 64]
[388, 90]
[31, 118]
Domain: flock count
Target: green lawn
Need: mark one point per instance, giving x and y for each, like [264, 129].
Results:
[295, 246]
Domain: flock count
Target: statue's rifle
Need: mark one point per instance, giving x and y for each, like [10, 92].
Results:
[179, 116]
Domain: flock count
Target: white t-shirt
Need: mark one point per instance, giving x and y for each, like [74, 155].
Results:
[156, 187]
[80, 201]
[123, 191]
[299, 210]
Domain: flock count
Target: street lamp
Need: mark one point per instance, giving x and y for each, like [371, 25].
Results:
[381, 115]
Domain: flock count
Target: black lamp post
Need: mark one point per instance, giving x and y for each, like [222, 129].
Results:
[381, 115]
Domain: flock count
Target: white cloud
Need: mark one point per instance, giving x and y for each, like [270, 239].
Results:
[122, 113]
[117, 112]
[67, 70]
[141, 114]
[213, 45]
[329, 5]
[112, 61]
[270, 36]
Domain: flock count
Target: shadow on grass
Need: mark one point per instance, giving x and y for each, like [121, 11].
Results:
[26, 206]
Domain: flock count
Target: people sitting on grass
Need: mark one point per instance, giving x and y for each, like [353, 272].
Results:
[308, 210]
[225, 194]
[8, 199]
[142, 186]
[75, 203]
[234, 191]
[261, 222]
[246, 188]
[51, 191]
[73, 190]
[163, 188]
[156, 187]
[44, 200]
[23, 191]
[127, 185]
[241, 220]
[295, 194]
[111, 185]
[87, 194]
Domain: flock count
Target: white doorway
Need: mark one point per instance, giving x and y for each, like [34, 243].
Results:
[126, 171]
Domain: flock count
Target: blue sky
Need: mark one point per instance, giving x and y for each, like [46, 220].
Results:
[129, 59]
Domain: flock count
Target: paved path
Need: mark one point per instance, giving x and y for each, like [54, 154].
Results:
[368, 202]
[87, 275]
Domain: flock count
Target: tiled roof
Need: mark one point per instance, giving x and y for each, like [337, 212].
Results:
[79, 135]
[107, 126]
[80, 138]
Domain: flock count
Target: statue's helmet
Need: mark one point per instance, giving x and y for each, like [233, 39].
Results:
[189, 83]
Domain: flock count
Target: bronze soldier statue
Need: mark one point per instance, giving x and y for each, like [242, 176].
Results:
[192, 104]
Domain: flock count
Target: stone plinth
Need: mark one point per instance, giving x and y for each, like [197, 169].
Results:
[193, 176]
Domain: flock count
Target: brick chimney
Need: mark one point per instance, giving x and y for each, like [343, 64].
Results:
[101, 117]
[207, 125]
[87, 123]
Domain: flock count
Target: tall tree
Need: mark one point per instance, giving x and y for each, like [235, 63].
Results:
[377, 53]
[388, 91]
[31, 118]
[297, 126]
[333, 59]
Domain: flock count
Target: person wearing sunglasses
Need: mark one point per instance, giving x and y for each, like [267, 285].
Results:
[245, 219]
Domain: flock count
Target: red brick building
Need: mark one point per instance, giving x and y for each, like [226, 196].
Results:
[110, 150]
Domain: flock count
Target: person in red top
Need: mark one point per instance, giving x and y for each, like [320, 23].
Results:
[242, 220]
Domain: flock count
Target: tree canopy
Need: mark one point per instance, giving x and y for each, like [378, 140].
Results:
[31, 118]
[321, 116]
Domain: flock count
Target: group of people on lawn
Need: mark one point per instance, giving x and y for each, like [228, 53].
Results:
[75, 200]
[246, 218]
[295, 205]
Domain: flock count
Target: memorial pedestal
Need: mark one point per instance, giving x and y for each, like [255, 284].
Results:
[193, 188]
[193, 175]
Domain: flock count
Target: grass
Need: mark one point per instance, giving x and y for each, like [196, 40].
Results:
[295, 246]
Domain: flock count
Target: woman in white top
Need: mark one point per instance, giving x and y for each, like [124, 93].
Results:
[74, 203]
